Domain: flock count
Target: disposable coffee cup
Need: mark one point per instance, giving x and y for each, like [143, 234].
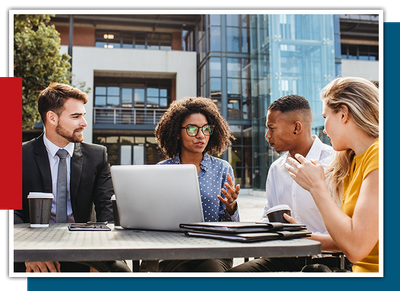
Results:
[275, 214]
[40, 208]
[117, 224]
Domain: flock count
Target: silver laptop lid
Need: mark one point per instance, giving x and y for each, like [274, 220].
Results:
[157, 197]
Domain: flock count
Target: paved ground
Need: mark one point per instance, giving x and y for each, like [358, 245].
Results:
[250, 207]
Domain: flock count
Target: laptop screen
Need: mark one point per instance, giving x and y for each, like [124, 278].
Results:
[157, 197]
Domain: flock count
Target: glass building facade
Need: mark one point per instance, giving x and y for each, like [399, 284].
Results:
[225, 76]
[291, 54]
[245, 62]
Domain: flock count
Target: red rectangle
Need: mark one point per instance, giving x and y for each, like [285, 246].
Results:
[11, 144]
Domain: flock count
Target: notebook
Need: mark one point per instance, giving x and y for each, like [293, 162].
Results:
[245, 231]
[242, 227]
[157, 197]
[251, 236]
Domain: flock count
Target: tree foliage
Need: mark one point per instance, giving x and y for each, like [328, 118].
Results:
[37, 59]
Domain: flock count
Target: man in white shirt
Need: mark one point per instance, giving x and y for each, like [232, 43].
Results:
[289, 123]
[282, 189]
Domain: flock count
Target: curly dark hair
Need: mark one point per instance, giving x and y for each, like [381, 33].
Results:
[169, 127]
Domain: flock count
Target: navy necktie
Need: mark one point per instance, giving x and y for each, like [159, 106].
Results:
[61, 207]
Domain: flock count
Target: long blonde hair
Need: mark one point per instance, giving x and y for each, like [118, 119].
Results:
[362, 99]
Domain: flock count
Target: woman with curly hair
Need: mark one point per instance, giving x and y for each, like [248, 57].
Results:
[190, 132]
[351, 112]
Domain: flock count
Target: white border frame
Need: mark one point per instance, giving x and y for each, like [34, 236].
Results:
[216, 11]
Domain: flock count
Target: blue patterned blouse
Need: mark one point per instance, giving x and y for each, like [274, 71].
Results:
[211, 180]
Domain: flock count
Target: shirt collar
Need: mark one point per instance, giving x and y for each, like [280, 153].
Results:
[204, 164]
[315, 151]
[176, 159]
[52, 148]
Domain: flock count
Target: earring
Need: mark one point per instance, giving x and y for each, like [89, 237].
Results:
[294, 132]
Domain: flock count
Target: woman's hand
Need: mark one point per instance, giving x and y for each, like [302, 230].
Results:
[231, 194]
[308, 174]
[289, 219]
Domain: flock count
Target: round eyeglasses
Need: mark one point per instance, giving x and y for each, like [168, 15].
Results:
[193, 130]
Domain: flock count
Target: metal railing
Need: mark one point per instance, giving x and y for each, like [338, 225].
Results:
[127, 115]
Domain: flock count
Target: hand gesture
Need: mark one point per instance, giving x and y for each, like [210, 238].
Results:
[42, 267]
[231, 194]
[307, 174]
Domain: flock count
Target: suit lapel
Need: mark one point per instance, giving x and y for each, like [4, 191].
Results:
[42, 161]
[76, 171]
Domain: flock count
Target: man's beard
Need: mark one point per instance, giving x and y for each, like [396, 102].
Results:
[68, 136]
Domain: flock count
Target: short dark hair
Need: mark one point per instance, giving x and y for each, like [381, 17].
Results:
[55, 95]
[290, 103]
[169, 127]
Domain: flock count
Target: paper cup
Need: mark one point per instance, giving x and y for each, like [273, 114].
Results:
[275, 214]
[40, 208]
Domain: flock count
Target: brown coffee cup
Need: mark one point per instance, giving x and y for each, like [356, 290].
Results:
[275, 214]
[40, 208]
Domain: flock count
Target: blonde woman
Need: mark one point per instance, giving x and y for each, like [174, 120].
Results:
[351, 112]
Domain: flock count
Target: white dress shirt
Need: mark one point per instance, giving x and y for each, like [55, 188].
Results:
[282, 189]
[54, 160]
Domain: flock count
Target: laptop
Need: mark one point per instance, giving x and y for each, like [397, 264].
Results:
[157, 197]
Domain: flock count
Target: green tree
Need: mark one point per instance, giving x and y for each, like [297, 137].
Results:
[37, 59]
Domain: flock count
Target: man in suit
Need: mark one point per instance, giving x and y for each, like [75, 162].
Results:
[88, 179]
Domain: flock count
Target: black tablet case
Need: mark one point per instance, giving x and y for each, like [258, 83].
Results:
[245, 231]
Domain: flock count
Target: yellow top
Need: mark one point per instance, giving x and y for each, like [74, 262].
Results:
[362, 165]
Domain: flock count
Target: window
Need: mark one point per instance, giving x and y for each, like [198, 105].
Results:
[132, 92]
[201, 43]
[215, 81]
[215, 38]
[215, 19]
[130, 40]
[238, 88]
[129, 150]
[107, 96]
[130, 100]
[214, 31]
[240, 155]
[188, 41]
[360, 52]
[237, 33]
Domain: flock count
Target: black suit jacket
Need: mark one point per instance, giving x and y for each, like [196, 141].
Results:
[90, 180]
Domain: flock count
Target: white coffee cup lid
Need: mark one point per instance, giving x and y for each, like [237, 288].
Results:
[278, 207]
[40, 195]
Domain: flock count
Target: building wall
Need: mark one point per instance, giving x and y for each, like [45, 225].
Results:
[176, 41]
[87, 61]
[365, 69]
[83, 36]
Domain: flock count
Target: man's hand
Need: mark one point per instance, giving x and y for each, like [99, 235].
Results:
[42, 267]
